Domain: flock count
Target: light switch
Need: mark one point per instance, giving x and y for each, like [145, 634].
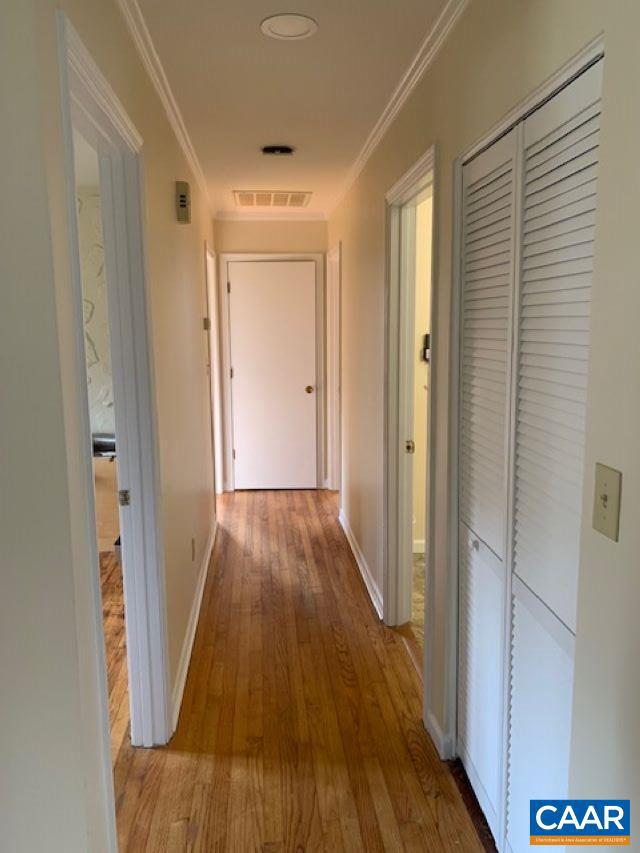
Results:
[606, 501]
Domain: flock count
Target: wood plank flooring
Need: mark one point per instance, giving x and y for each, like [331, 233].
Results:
[300, 728]
[115, 649]
[105, 477]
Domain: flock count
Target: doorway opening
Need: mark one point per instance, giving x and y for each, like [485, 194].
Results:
[102, 421]
[421, 377]
[408, 388]
[118, 451]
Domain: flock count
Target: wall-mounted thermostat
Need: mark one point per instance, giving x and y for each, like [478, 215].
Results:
[183, 201]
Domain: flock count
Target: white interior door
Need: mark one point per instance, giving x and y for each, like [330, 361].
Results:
[272, 321]
[559, 201]
[215, 372]
[489, 199]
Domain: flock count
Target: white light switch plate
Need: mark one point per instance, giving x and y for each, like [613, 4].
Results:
[606, 501]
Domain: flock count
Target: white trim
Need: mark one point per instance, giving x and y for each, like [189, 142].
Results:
[412, 181]
[190, 634]
[365, 572]
[452, 621]
[151, 61]
[333, 350]
[215, 366]
[89, 102]
[443, 743]
[271, 216]
[426, 54]
[225, 259]
[590, 53]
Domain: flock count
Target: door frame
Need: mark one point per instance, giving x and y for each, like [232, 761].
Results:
[399, 344]
[214, 366]
[89, 104]
[225, 258]
[334, 368]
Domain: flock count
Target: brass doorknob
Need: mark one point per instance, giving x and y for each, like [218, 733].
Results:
[309, 389]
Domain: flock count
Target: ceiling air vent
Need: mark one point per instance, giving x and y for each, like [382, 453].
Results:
[271, 198]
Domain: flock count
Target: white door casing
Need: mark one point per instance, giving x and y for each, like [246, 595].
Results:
[272, 342]
[213, 314]
[333, 336]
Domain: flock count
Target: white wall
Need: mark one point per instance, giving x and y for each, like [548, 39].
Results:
[499, 52]
[43, 800]
[53, 793]
[270, 236]
[421, 370]
[96, 313]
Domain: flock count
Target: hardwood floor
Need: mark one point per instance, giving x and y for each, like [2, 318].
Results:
[115, 650]
[105, 476]
[300, 728]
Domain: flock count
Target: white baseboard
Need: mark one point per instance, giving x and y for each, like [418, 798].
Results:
[443, 743]
[367, 577]
[418, 546]
[187, 645]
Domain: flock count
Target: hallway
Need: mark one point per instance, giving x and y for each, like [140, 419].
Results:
[300, 727]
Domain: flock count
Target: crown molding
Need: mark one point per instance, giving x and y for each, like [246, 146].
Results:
[271, 216]
[427, 52]
[151, 61]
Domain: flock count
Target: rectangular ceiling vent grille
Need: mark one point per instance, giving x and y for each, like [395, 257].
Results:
[271, 198]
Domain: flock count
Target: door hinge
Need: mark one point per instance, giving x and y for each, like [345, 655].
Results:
[231, 373]
[233, 452]
[206, 322]
[124, 497]
[425, 352]
[228, 287]
[410, 446]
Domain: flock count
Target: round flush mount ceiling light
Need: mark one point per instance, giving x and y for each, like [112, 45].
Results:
[289, 27]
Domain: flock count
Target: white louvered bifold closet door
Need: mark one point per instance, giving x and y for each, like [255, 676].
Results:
[559, 209]
[487, 289]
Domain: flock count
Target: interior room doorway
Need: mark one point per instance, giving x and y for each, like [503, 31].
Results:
[420, 362]
[118, 451]
[409, 445]
[102, 420]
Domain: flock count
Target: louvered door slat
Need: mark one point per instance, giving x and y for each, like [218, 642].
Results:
[487, 288]
[540, 719]
[555, 297]
[486, 321]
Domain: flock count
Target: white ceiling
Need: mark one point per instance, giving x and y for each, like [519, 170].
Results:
[238, 90]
